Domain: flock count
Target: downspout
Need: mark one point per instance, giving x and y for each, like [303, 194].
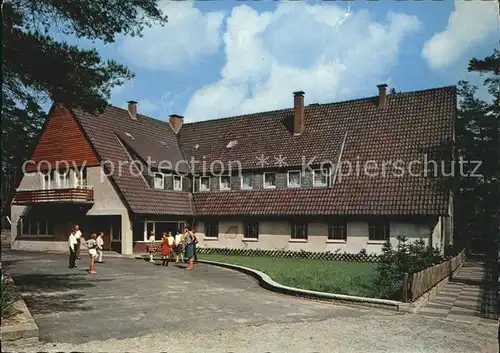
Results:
[339, 159]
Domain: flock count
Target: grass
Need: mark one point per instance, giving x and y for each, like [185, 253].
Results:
[337, 277]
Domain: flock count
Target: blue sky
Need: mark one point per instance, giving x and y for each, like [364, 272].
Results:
[222, 58]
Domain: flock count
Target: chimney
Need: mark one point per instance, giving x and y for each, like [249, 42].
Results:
[382, 95]
[132, 109]
[298, 112]
[176, 122]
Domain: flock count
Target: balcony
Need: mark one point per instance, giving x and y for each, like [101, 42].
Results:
[69, 195]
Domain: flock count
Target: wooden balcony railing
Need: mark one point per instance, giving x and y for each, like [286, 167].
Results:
[28, 197]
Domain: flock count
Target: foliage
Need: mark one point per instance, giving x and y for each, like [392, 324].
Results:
[394, 263]
[477, 139]
[8, 296]
[39, 66]
[338, 277]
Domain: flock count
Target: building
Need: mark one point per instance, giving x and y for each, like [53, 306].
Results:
[272, 180]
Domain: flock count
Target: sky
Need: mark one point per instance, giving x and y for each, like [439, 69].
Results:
[216, 59]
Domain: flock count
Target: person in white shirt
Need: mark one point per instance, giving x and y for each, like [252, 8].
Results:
[179, 248]
[100, 245]
[78, 235]
[151, 246]
[72, 249]
[92, 246]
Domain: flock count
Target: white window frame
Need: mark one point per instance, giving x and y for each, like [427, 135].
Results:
[315, 184]
[67, 184]
[44, 182]
[242, 186]
[264, 181]
[288, 179]
[173, 182]
[209, 183]
[220, 182]
[162, 180]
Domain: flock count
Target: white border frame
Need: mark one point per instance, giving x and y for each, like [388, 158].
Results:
[209, 184]
[162, 180]
[288, 179]
[173, 182]
[220, 182]
[51, 180]
[78, 182]
[264, 180]
[314, 178]
[58, 179]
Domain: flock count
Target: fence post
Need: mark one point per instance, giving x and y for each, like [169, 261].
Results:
[405, 287]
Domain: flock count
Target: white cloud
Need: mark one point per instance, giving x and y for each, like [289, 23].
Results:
[470, 23]
[298, 47]
[188, 35]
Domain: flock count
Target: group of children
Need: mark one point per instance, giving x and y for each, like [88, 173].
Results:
[183, 245]
[94, 245]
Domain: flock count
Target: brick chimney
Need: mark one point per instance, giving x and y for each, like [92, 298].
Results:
[132, 109]
[382, 95]
[298, 112]
[176, 122]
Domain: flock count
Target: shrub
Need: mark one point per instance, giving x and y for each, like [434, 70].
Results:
[394, 263]
[8, 296]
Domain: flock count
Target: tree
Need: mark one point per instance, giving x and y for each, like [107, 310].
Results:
[478, 140]
[38, 68]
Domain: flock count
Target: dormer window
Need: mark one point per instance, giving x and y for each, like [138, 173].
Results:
[130, 136]
[205, 183]
[195, 147]
[246, 181]
[320, 177]
[225, 182]
[232, 143]
[159, 181]
[294, 179]
[164, 143]
[177, 183]
[269, 180]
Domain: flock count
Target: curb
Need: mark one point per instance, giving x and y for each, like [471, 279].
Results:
[25, 332]
[268, 283]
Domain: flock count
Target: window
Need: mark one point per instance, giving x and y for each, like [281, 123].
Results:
[130, 136]
[269, 180]
[204, 183]
[337, 230]
[63, 179]
[225, 182]
[47, 180]
[246, 181]
[251, 230]
[320, 177]
[177, 182]
[232, 143]
[37, 227]
[378, 230]
[211, 229]
[294, 179]
[80, 176]
[299, 231]
[159, 181]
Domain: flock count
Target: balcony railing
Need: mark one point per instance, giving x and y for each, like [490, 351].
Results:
[28, 197]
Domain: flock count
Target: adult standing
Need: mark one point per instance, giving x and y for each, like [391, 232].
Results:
[72, 249]
[78, 235]
[100, 247]
[195, 241]
[189, 241]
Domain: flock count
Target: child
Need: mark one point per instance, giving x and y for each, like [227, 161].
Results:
[151, 246]
[165, 250]
[179, 248]
[171, 244]
[100, 244]
[92, 246]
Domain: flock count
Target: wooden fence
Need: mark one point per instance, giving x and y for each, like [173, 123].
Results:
[420, 282]
[359, 257]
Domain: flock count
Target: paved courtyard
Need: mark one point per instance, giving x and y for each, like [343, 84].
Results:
[132, 305]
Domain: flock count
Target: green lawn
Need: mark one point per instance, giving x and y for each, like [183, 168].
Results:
[326, 276]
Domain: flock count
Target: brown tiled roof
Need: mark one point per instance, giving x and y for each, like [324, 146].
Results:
[409, 125]
[103, 131]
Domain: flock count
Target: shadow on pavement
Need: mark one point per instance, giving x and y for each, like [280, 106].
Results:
[45, 293]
